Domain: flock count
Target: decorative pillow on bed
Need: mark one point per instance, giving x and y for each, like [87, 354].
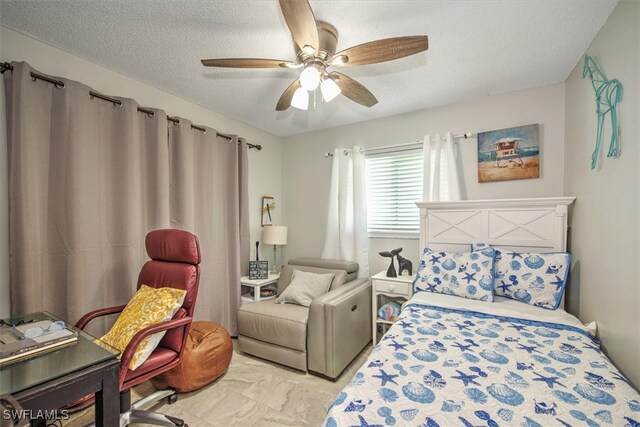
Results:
[466, 274]
[534, 278]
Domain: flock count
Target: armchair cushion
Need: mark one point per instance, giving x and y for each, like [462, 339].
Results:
[305, 287]
[280, 324]
[149, 306]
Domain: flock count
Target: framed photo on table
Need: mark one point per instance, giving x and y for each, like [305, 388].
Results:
[268, 206]
[258, 269]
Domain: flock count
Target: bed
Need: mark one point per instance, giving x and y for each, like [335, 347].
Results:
[451, 361]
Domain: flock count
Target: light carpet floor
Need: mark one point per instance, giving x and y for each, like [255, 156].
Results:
[253, 393]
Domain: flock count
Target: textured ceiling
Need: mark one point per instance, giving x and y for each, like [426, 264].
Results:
[477, 48]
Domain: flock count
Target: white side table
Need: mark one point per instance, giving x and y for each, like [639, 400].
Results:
[247, 286]
[384, 289]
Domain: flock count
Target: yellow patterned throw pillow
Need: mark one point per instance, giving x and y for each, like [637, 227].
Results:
[149, 306]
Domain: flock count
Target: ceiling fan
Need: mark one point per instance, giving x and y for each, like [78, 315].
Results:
[315, 45]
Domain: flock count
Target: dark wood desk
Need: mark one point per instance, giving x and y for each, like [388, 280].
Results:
[49, 381]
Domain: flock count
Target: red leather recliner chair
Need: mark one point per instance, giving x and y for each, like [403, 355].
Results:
[175, 259]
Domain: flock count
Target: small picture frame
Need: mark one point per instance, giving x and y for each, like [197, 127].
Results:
[268, 206]
[258, 269]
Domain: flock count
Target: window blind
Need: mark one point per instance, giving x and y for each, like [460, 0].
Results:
[394, 185]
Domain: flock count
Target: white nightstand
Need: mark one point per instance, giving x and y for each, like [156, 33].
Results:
[384, 289]
[247, 286]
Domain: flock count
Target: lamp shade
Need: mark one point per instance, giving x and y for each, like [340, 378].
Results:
[300, 99]
[274, 235]
[329, 89]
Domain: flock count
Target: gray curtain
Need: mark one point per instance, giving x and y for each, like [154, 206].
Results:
[88, 179]
[207, 177]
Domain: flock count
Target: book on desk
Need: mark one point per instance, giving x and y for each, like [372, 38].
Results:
[27, 339]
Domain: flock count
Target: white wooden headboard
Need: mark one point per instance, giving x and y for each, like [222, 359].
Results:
[535, 225]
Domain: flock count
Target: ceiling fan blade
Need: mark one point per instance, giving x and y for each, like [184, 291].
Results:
[354, 90]
[381, 50]
[285, 100]
[247, 63]
[301, 23]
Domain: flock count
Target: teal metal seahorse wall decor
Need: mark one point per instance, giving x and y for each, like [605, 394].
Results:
[608, 95]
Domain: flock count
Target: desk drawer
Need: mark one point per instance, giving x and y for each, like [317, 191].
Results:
[395, 287]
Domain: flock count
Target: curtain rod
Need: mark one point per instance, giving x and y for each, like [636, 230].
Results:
[400, 146]
[4, 66]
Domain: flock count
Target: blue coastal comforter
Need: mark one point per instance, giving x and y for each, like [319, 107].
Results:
[445, 367]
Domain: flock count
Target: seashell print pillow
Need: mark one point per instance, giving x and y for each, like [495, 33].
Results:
[534, 278]
[467, 274]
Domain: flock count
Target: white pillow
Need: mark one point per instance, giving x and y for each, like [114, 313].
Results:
[305, 287]
[534, 278]
[467, 274]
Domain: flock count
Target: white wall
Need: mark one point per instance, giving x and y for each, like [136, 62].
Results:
[605, 233]
[306, 172]
[264, 166]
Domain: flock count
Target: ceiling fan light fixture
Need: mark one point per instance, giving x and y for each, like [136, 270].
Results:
[310, 78]
[329, 89]
[300, 99]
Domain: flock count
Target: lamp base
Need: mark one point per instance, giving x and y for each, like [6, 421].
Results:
[274, 268]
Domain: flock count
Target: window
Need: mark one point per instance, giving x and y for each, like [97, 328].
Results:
[394, 185]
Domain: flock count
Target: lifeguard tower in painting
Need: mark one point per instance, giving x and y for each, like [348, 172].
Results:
[512, 153]
[507, 152]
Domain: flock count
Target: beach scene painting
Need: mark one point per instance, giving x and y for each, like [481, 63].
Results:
[507, 154]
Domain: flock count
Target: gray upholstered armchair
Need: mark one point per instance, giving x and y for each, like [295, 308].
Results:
[322, 338]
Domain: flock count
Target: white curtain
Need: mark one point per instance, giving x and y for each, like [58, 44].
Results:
[441, 176]
[346, 236]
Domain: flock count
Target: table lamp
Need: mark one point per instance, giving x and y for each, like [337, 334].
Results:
[274, 235]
